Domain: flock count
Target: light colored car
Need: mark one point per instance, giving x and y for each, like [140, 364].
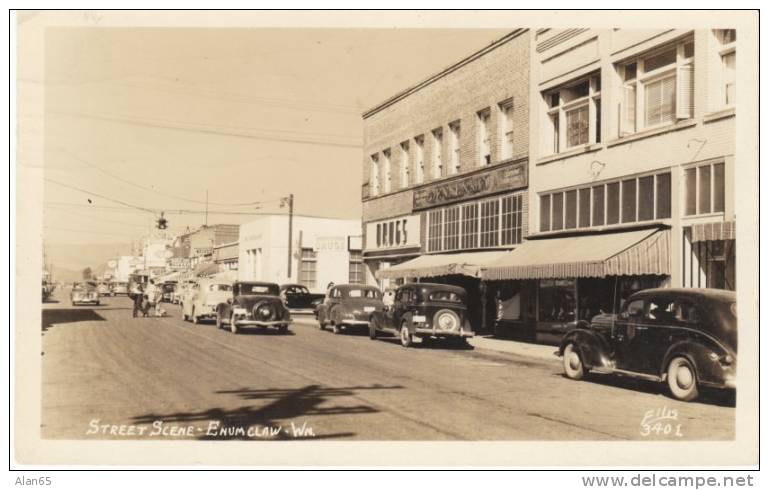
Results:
[84, 293]
[202, 299]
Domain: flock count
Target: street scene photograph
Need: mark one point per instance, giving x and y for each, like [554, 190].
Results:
[364, 233]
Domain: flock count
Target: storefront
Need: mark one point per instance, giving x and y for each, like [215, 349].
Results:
[546, 285]
[467, 222]
[709, 255]
[389, 243]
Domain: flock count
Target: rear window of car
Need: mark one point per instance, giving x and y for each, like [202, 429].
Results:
[363, 293]
[220, 287]
[257, 289]
[446, 296]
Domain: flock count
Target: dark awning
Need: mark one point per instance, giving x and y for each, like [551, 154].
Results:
[614, 254]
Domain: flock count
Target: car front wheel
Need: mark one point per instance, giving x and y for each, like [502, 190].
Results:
[406, 338]
[372, 329]
[572, 363]
[682, 379]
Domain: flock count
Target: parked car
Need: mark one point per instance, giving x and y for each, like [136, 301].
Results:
[298, 297]
[256, 304]
[119, 287]
[167, 291]
[104, 289]
[424, 310]
[684, 337]
[203, 298]
[84, 293]
[180, 291]
[349, 305]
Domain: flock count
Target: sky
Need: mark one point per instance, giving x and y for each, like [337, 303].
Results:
[155, 118]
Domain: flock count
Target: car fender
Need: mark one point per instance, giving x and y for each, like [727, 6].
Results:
[593, 348]
[698, 352]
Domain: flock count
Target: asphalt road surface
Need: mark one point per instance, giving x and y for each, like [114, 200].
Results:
[107, 375]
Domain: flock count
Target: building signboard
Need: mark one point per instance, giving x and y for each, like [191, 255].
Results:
[498, 179]
[333, 243]
[394, 233]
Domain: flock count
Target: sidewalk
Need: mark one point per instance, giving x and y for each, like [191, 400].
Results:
[525, 349]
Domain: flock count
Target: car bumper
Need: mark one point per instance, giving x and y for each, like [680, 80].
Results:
[354, 323]
[443, 333]
[258, 323]
[85, 301]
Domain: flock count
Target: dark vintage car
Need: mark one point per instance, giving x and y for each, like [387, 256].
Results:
[253, 304]
[84, 293]
[298, 297]
[349, 305]
[425, 310]
[685, 337]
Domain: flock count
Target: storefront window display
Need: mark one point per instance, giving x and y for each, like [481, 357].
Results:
[557, 300]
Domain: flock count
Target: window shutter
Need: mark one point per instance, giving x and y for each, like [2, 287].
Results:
[685, 92]
[627, 111]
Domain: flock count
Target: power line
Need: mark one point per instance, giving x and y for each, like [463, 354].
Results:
[175, 126]
[126, 181]
[152, 211]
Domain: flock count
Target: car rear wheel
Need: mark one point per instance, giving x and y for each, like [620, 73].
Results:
[372, 329]
[682, 379]
[195, 319]
[218, 320]
[572, 363]
[406, 338]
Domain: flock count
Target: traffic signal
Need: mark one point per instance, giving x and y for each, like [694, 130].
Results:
[162, 222]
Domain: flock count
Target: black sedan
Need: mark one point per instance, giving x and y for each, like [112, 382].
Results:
[253, 304]
[684, 337]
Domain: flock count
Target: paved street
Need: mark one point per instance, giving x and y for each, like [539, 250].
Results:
[107, 375]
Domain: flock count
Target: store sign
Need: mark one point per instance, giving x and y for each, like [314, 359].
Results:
[393, 233]
[178, 263]
[495, 180]
[333, 243]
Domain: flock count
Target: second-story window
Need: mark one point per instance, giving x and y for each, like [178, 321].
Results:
[387, 171]
[405, 165]
[374, 180]
[419, 159]
[484, 146]
[456, 135]
[506, 132]
[574, 113]
[437, 153]
[658, 88]
[727, 39]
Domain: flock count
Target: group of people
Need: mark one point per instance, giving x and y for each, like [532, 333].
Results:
[146, 299]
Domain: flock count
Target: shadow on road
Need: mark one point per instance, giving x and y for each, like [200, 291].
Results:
[722, 398]
[56, 316]
[287, 405]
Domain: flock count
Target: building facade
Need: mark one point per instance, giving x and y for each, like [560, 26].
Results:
[445, 169]
[226, 256]
[632, 170]
[322, 250]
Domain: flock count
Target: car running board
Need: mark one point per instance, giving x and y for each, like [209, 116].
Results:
[633, 374]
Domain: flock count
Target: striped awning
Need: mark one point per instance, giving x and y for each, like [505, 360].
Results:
[607, 254]
[717, 230]
[468, 264]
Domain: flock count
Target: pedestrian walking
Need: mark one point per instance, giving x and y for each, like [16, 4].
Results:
[137, 294]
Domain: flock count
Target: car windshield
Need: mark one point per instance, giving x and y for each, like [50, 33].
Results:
[219, 287]
[364, 293]
[258, 289]
[448, 296]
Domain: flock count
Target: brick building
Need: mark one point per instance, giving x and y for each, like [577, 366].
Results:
[445, 170]
[632, 170]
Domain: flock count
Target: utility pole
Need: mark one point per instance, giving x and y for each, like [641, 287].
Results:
[290, 230]
[206, 207]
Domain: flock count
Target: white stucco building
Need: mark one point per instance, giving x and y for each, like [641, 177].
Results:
[323, 250]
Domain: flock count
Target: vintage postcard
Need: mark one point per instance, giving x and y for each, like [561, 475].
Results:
[391, 238]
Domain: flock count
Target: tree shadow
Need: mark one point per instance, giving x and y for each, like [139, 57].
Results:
[287, 406]
[53, 316]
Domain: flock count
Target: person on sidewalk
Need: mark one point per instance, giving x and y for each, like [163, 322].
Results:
[137, 294]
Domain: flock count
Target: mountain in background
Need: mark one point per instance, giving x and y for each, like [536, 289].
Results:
[73, 258]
